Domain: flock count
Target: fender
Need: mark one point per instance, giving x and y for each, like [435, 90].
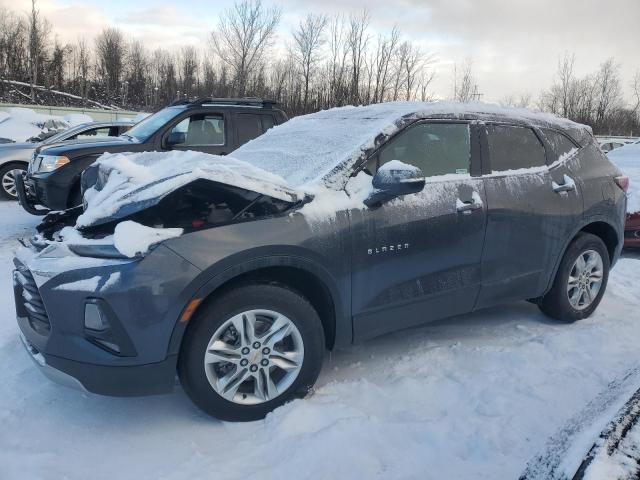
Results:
[583, 223]
[209, 282]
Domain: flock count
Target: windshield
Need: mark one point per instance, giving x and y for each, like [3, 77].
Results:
[308, 148]
[150, 125]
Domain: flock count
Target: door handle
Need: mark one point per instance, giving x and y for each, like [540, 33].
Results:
[567, 186]
[467, 207]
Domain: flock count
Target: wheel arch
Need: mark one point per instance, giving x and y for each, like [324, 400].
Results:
[301, 275]
[601, 227]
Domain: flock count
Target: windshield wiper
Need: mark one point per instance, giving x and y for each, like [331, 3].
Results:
[128, 137]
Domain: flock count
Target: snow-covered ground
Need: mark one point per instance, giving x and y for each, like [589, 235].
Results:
[476, 396]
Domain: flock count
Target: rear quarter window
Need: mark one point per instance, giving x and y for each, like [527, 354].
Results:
[514, 148]
[560, 143]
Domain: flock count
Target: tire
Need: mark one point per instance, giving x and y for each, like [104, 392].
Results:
[7, 185]
[261, 302]
[556, 302]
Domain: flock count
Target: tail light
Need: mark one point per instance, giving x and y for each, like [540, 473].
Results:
[623, 182]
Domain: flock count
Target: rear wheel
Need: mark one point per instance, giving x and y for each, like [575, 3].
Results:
[580, 282]
[8, 174]
[251, 350]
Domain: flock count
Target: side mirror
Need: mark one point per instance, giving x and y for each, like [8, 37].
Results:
[175, 138]
[392, 180]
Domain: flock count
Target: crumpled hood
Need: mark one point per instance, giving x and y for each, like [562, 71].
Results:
[129, 183]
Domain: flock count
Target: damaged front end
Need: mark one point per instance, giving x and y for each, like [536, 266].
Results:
[198, 205]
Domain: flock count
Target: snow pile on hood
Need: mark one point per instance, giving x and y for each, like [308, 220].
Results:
[311, 147]
[132, 239]
[627, 159]
[131, 178]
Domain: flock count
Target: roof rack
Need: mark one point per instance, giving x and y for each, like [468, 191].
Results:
[247, 101]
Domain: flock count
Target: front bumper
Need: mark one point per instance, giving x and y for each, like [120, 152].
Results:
[27, 196]
[142, 305]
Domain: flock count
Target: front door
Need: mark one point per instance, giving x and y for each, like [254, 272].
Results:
[202, 132]
[417, 257]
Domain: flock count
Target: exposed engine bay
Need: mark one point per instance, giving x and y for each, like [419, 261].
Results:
[198, 205]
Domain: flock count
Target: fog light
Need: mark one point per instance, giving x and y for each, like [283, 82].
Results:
[94, 318]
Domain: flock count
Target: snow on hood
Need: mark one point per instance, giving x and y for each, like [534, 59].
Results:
[318, 146]
[627, 159]
[137, 179]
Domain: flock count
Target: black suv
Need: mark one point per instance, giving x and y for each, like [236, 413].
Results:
[330, 229]
[211, 125]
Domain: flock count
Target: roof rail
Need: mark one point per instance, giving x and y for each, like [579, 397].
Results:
[250, 101]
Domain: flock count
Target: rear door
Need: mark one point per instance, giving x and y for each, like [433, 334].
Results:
[534, 203]
[417, 257]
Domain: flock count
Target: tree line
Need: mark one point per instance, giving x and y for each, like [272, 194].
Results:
[325, 61]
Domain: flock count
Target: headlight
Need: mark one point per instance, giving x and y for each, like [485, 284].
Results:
[49, 163]
[97, 251]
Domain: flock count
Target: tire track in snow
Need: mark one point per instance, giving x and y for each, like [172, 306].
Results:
[566, 450]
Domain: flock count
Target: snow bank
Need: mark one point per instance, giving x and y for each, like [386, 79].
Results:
[627, 159]
[138, 177]
[132, 239]
[77, 118]
[20, 124]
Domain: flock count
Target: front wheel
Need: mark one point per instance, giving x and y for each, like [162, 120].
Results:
[580, 282]
[251, 350]
[8, 174]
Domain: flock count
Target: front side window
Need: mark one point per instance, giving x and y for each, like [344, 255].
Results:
[514, 148]
[561, 144]
[201, 130]
[435, 148]
[94, 132]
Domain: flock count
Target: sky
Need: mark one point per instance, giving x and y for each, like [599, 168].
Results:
[514, 45]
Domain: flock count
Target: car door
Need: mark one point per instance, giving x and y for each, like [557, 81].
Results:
[203, 131]
[533, 202]
[417, 257]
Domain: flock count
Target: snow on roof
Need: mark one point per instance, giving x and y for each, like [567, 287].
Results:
[627, 159]
[19, 124]
[312, 147]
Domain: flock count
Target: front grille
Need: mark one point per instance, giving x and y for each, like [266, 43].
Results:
[28, 301]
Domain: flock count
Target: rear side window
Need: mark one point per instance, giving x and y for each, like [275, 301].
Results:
[561, 144]
[512, 148]
[250, 126]
[435, 148]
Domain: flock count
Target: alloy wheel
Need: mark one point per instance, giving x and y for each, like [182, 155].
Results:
[254, 357]
[585, 279]
[9, 182]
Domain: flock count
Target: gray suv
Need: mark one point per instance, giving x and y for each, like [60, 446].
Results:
[330, 229]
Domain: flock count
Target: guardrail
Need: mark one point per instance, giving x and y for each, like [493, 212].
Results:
[96, 114]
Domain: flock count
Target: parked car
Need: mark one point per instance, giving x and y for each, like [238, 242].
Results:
[608, 144]
[328, 230]
[15, 157]
[210, 125]
[627, 159]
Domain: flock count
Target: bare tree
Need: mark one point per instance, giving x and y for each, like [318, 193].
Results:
[189, 70]
[308, 40]
[465, 87]
[385, 50]
[244, 33]
[38, 33]
[110, 52]
[357, 41]
[635, 86]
